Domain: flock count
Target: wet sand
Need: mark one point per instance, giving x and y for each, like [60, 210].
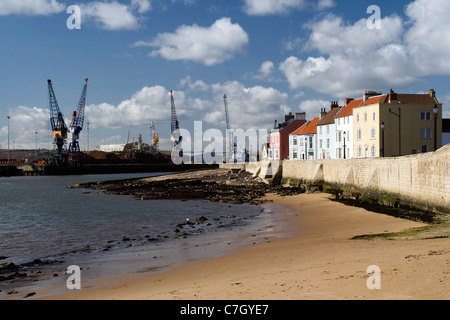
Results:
[316, 260]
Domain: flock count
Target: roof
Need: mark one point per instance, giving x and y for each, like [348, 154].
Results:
[329, 117]
[374, 100]
[402, 98]
[308, 128]
[348, 109]
[300, 130]
[294, 125]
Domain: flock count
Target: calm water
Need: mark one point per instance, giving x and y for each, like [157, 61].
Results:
[40, 218]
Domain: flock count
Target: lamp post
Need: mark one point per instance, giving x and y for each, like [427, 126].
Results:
[8, 137]
[435, 111]
[382, 138]
[36, 148]
[88, 137]
[345, 135]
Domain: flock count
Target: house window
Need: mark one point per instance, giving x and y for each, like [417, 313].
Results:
[357, 117]
[372, 134]
[295, 141]
[295, 155]
[374, 116]
[365, 116]
[310, 142]
[359, 152]
[424, 148]
[320, 130]
[373, 152]
[425, 116]
[320, 144]
[328, 129]
[425, 133]
[276, 154]
[359, 134]
[328, 143]
[270, 154]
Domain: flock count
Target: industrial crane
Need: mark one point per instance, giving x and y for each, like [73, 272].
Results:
[177, 151]
[75, 128]
[59, 128]
[231, 146]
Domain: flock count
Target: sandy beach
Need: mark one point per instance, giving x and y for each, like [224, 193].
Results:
[317, 261]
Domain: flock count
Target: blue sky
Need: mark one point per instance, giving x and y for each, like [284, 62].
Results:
[269, 56]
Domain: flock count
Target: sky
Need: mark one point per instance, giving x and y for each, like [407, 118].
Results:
[270, 57]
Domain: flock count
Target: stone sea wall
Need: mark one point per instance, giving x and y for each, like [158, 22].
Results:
[421, 180]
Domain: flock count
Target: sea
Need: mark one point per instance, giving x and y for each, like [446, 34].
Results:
[43, 220]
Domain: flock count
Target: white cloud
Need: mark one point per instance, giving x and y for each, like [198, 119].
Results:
[30, 7]
[280, 7]
[149, 103]
[266, 68]
[354, 58]
[113, 15]
[428, 39]
[23, 124]
[198, 85]
[142, 6]
[209, 46]
[250, 108]
[313, 107]
[270, 7]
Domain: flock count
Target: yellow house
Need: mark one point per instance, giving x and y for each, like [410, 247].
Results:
[388, 125]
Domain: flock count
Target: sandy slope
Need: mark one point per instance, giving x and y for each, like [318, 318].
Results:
[319, 262]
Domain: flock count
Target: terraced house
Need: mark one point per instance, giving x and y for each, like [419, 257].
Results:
[387, 125]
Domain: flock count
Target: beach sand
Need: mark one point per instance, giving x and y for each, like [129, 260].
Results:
[317, 261]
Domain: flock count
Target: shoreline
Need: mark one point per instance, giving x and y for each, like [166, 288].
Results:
[317, 261]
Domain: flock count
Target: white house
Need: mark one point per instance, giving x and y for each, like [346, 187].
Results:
[344, 129]
[326, 134]
[303, 142]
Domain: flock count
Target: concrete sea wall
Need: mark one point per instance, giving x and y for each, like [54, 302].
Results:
[421, 180]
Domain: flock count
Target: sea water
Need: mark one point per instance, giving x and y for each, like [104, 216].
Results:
[41, 218]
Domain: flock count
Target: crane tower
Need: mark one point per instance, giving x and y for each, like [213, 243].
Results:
[75, 128]
[59, 128]
[230, 145]
[177, 151]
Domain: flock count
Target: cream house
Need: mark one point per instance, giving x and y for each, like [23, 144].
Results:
[387, 125]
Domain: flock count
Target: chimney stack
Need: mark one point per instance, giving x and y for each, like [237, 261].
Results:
[289, 117]
[300, 116]
[369, 94]
[392, 96]
[323, 113]
[432, 93]
[334, 104]
[348, 100]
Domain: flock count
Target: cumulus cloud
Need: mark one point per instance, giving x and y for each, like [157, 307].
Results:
[30, 7]
[354, 58]
[312, 107]
[250, 108]
[149, 103]
[113, 15]
[207, 45]
[23, 124]
[277, 7]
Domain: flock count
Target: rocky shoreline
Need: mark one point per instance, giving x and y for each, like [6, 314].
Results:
[218, 185]
[231, 187]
